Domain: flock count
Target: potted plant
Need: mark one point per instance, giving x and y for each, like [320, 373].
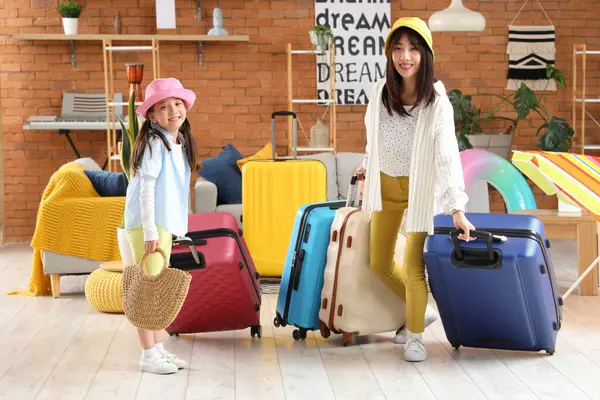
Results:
[129, 135]
[321, 36]
[468, 120]
[557, 132]
[70, 11]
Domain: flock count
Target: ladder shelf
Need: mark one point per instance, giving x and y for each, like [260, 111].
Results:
[331, 102]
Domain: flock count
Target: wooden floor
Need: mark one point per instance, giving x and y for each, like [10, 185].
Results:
[63, 349]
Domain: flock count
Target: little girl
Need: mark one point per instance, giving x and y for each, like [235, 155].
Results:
[411, 161]
[157, 200]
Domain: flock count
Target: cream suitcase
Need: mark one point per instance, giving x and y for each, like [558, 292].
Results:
[354, 301]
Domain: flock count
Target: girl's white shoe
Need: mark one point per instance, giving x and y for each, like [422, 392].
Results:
[157, 365]
[179, 363]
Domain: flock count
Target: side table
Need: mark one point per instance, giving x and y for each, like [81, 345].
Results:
[582, 227]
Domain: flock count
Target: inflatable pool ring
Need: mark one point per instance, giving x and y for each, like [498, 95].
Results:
[481, 165]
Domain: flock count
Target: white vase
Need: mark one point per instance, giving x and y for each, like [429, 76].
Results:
[498, 143]
[70, 25]
[124, 247]
[319, 135]
[564, 207]
[314, 38]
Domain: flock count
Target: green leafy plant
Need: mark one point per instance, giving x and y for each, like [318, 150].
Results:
[69, 9]
[467, 118]
[129, 135]
[321, 36]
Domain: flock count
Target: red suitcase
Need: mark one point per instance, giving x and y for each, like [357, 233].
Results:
[225, 292]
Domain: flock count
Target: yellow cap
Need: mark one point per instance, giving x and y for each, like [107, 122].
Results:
[417, 24]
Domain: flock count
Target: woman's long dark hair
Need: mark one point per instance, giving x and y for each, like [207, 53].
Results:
[392, 91]
[147, 132]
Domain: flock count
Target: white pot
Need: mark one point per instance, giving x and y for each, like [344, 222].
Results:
[564, 207]
[70, 25]
[124, 247]
[315, 41]
[498, 143]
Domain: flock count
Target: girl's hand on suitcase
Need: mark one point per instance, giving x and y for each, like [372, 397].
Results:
[150, 246]
[461, 222]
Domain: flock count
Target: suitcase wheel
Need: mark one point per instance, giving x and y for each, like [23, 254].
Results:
[347, 339]
[550, 351]
[325, 332]
[456, 346]
[299, 334]
[256, 330]
[174, 334]
[277, 321]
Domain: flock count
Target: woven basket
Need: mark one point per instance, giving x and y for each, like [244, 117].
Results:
[153, 302]
[103, 291]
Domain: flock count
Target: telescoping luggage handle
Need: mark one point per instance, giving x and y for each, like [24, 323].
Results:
[476, 258]
[295, 131]
[353, 199]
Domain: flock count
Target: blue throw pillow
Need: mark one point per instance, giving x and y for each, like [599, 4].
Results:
[108, 184]
[223, 171]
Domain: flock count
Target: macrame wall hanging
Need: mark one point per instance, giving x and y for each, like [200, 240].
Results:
[529, 49]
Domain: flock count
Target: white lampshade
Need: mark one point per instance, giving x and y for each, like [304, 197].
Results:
[456, 18]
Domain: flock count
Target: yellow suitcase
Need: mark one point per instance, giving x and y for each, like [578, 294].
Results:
[272, 193]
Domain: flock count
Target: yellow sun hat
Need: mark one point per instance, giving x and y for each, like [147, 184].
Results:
[416, 24]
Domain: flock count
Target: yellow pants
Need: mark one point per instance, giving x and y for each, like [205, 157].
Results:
[154, 262]
[408, 280]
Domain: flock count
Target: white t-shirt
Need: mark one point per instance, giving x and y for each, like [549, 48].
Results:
[180, 159]
[148, 186]
[397, 133]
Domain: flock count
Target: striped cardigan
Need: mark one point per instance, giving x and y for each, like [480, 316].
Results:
[436, 177]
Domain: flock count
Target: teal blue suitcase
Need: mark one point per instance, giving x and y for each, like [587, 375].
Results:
[299, 297]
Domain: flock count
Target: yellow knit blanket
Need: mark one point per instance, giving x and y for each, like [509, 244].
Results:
[74, 220]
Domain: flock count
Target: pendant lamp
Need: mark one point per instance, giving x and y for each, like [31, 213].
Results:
[456, 18]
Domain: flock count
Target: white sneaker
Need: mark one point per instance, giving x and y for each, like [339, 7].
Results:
[157, 365]
[172, 358]
[430, 316]
[414, 349]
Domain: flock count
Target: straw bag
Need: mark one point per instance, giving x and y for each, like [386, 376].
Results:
[153, 302]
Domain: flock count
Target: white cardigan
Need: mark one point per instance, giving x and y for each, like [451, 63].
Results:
[436, 176]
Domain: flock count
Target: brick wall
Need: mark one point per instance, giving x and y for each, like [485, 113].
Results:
[239, 85]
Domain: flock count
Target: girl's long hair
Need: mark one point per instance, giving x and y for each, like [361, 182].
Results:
[147, 132]
[392, 91]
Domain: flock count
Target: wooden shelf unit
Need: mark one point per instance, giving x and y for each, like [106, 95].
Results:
[111, 126]
[127, 37]
[579, 96]
[107, 49]
[100, 37]
[332, 102]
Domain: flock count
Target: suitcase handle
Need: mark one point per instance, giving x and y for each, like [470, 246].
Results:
[353, 193]
[298, 269]
[476, 258]
[191, 244]
[284, 113]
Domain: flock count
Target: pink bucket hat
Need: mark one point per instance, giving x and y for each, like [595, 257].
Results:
[162, 88]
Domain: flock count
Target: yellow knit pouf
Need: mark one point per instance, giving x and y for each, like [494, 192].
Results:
[103, 291]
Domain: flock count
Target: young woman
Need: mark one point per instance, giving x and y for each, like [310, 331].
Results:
[411, 164]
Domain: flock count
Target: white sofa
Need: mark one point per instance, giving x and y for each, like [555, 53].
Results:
[340, 168]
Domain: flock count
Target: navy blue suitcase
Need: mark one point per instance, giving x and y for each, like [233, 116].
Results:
[299, 298]
[499, 291]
